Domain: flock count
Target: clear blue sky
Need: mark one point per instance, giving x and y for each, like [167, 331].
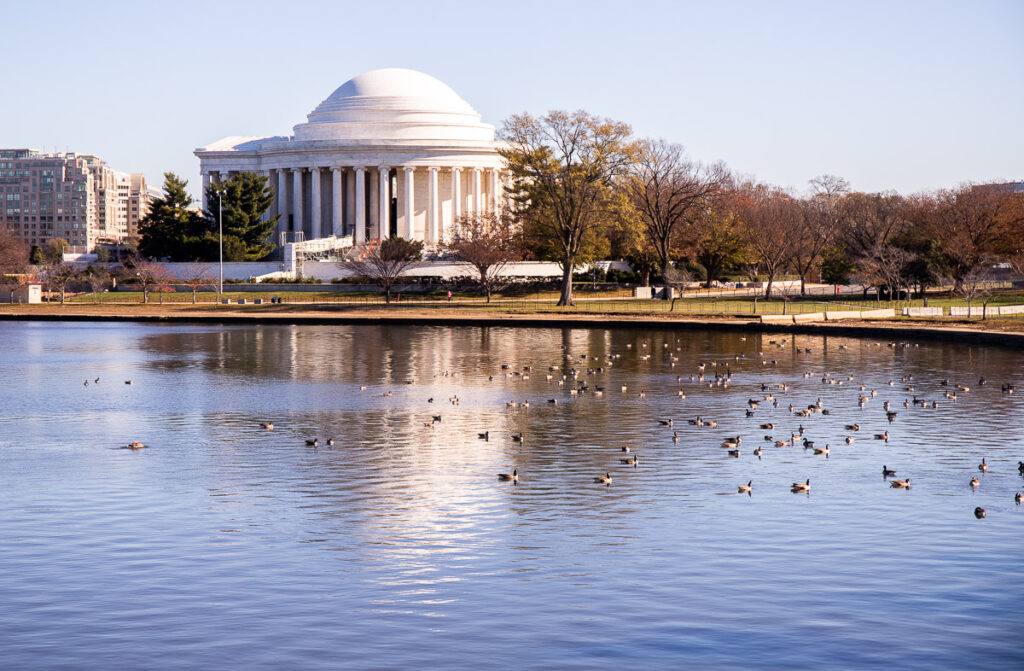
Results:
[890, 95]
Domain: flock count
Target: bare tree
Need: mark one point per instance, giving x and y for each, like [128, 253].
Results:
[163, 281]
[59, 276]
[13, 259]
[1016, 262]
[889, 264]
[670, 192]
[488, 242]
[676, 279]
[815, 228]
[868, 221]
[767, 215]
[195, 276]
[564, 167]
[13, 252]
[975, 284]
[98, 279]
[147, 275]
[384, 263]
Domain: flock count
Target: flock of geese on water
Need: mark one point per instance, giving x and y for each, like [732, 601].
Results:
[732, 443]
[722, 379]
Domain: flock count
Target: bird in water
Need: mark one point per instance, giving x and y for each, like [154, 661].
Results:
[900, 484]
[801, 487]
[625, 448]
[634, 461]
[510, 477]
[605, 479]
[313, 442]
[269, 426]
[983, 467]
[757, 452]
[135, 445]
[980, 512]
[517, 437]
[330, 442]
[486, 435]
[1018, 498]
[745, 489]
[882, 436]
[887, 472]
[974, 483]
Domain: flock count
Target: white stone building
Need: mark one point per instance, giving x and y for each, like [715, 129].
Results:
[390, 152]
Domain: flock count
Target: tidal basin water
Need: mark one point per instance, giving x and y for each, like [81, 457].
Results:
[225, 545]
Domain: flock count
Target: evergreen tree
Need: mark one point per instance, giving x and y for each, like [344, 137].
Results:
[171, 229]
[246, 199]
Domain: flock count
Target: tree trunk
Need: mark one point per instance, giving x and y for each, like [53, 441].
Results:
[62, 295]
[145, 295]
[768, 287]
[565, 298]
[193, 297]
[645, 279]
[387, 294]
[487, 288]
[803, 285]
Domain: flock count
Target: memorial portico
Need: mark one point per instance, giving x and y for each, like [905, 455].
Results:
[388, 153]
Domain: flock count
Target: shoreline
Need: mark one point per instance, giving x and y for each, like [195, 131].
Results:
[440, 316]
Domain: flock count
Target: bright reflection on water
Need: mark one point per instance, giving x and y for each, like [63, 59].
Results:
[227, 545]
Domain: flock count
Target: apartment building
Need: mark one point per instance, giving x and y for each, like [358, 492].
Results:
[72, 196]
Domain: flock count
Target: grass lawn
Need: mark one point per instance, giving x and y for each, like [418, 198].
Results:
[604, 302]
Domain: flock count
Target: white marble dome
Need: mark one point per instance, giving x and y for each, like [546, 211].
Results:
[394, 104]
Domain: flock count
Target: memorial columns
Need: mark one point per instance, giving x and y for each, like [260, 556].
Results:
[384, 202]
[297, 218]
[336, 203]
[315, 203]
[476, 190]
[360, 206]
[410, 208]
[431, 233]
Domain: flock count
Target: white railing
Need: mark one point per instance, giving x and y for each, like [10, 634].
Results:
[296, 253]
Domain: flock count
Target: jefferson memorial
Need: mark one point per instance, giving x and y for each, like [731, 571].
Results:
[390, 152]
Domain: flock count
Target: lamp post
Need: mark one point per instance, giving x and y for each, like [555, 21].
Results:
[220, 231]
